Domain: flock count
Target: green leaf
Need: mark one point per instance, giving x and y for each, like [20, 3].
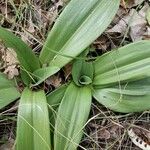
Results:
[129, 97]
[8, 91]
[72, 115]
[26, 77]
[82, 72]
[43, 73]
[33, 131]
[26, 57]
[54, 98]
[80, 23]
[128, 63]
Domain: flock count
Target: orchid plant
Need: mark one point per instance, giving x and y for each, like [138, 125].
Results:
[118, 79]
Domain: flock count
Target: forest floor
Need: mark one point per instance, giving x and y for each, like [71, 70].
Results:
[105, 130]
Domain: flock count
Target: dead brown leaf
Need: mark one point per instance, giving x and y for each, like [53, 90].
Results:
[137, 23]
[67, 70]
[132, 3]
[8, 145]
[10, 63]
[54, 80]
[103, 134]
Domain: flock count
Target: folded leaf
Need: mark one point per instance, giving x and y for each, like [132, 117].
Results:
[8, 91]
[128, 63]
[43, 73]
[33, 132]
[82, 72]
[26, 57]
[78, 26]
[129, 97]
[72, 115]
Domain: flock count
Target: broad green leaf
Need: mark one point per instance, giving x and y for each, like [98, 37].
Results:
[128, 63]
[8, 91]
[82, 72]
[129, 97]
[43, 73]
[33, 131]
[80, 23]
[54, 98]
[72, 116]
[26, 57]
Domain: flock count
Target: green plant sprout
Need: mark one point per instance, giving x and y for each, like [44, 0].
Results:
[119, 79]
